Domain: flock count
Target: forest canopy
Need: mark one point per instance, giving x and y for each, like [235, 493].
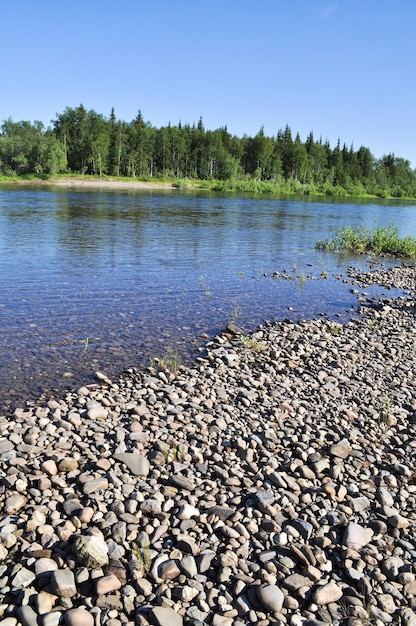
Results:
[86, 142]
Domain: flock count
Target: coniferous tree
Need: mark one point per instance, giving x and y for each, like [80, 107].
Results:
[113, 162]
[86, 142]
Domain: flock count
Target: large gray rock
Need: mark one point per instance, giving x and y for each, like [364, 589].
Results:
[271, 597]
[27, 616]
[136, 463]
[164, 616]
[341, 449]
[63, 583]
[356, 536]
[325, 594]
[90, 551]
[79, 617]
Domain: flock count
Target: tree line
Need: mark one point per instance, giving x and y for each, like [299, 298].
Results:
[86, 142]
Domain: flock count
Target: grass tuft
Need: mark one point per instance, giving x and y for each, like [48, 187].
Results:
[381, 240]
[169, 362]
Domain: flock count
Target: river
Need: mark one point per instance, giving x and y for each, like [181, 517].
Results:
[105, 280]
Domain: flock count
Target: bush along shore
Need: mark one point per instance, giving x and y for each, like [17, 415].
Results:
[271, 483]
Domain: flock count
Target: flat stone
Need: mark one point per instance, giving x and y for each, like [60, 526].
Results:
[103, 378]
[164, 616]
[398, 521]
[98, 413]
[188, 566]
[45, 602]
[386, 603]
[271, 597]
[264, 501]
[107, 584]
[362, 503]
[181, 482]
[90, 551]
[79, 617]
[326, 594]
[54, 618]
[63, 583]
[342, 449]
[9, 621]
[222, 620]
[296, 581]
[391, 566]
[223, 512]
[45, 566]
[27, 616]
[303, 527]
[168, 570]
[384, 497]
[187, 511]
[5, 446]
[151, 506]
[187, 594]
[187, 544]
[408, 617]
[14, 503]
[97, 484]
[68, 464]
[24, 578]
[356, 536]
[136, 463]
[49, 466]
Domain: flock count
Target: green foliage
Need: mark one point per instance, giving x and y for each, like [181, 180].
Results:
[86, 142]
[182, 183]
[361, 240]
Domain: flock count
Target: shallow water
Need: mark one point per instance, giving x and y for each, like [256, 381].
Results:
[105, 280]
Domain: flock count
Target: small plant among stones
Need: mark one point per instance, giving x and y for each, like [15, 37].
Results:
[386, 412]
[173, 451]
[252, 343]
[144, 557]
[169, 362]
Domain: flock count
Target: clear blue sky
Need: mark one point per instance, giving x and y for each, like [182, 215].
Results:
[341, 68]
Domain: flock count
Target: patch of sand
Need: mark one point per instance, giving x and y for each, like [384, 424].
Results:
[96, 183]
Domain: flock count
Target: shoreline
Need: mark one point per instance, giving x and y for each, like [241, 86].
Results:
[272, 482]
[93, 183]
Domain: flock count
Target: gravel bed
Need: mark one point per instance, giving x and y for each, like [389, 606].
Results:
[274, 482]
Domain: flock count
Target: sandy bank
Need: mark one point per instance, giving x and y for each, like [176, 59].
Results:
[94, 183]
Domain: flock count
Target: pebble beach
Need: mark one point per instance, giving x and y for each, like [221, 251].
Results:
[273, 482]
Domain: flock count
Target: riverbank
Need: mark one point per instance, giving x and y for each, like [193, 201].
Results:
[88, 182]
[271, 483]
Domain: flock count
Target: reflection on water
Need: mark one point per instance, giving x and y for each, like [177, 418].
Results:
[106, 280]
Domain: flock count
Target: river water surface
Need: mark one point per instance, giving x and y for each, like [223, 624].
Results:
[105, 280]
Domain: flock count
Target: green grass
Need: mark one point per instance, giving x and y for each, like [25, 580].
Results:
[86, 342]
[239, 185]
[170, 362]
[381, 240]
